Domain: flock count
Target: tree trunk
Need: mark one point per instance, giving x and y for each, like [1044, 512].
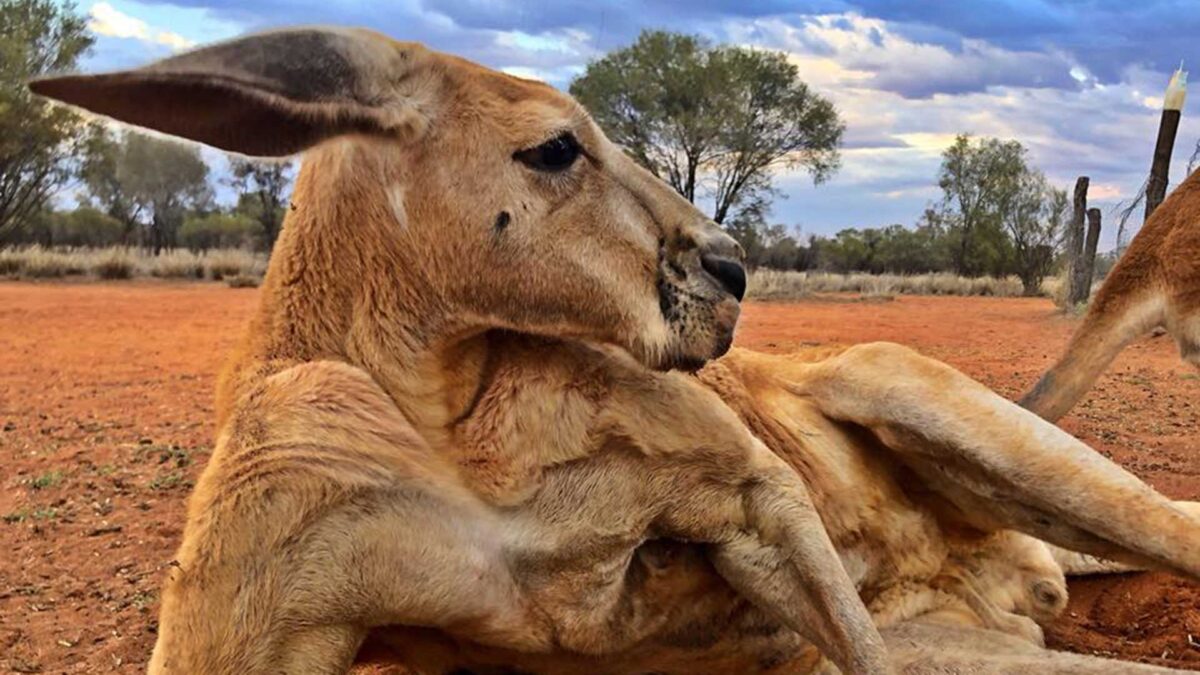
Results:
[1156, 185]
[1076, 284]
[1089, 251]
[1031, 284]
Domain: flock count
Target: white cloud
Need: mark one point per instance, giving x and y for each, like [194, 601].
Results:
[897, 125]
[104, 19]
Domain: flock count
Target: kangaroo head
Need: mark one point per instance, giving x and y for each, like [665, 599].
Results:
[504, 200]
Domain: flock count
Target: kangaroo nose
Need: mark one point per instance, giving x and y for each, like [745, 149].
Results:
[729, 273]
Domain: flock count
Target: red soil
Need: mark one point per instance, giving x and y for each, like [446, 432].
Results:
[106, 418]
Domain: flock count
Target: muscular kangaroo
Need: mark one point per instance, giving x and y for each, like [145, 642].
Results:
[462, 422]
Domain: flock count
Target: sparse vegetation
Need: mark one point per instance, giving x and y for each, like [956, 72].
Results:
[167, 481]
[48, 479]
[115, 263]
[126, 263]
[17, 516]
[776, 285]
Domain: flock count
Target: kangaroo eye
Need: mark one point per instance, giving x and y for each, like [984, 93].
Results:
[556, 154]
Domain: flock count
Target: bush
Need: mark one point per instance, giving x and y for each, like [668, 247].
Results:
[242, 267]
[11, 262]
[39, 262]
[114, 263]
[219, 230]
[176, 265]
[85, 227]
[767, 284]
[232, 263]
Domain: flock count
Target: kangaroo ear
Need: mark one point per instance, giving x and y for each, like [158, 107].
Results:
[269, 94]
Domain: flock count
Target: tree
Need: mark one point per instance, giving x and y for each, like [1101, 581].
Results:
[977, 180]
[218, 230]
[263, 188]
[1033, 217]
[36, 138]
[147, 183]
[711, 121]
[98, 168]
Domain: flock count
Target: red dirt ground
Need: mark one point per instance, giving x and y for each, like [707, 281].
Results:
[106, 418]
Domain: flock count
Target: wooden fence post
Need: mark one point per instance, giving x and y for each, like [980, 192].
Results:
[1089, 252]
[1160, 168]
[1077, 288]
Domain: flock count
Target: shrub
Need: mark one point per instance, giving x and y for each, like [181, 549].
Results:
[38, 262]
[85, 226]
[176, 265]
[219, 230]
[114, 263]
[232, 263]
[126, 263]
[765, 284]
[11, 262]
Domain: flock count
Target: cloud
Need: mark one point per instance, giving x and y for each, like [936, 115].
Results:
[106, 20]
[1078, 84]
[875, 54]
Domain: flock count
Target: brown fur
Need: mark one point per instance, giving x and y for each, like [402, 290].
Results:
[1155, 283]
[460, 440]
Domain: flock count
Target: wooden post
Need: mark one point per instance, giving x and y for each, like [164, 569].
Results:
[1089, 252]
[1168, 125]
[1076, 290]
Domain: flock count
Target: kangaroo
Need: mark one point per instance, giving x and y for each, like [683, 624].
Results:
[487, 414]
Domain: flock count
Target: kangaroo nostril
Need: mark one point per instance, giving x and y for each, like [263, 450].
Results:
[729, 273]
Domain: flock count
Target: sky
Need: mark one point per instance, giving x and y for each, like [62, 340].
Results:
[1079, 83]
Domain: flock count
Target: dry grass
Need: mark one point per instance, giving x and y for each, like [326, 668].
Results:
[127, 263]
[244, 269]
[776, 285]
[115, 263]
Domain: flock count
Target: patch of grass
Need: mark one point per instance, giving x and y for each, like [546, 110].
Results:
[45, 513]
[246, 267]
[170, 453]
[48, 479]
[38, 262]
[115, 263]
[11, 262]
[168, 481]
[17, 516]
[142, 599]
[767, 284]
[232, 263]
[176, 265]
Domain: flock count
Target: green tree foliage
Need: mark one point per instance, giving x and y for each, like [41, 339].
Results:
[1001, 214]
[977, 180]
[98, 169]
[998, 216]
[219, 230]
[263, 188]
[148, 183]
[37, 139]
[711, 121]
[84, 226]
[1034, 219]
[895, 249]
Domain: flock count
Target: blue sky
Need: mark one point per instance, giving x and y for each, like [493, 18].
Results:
[1078, 82]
